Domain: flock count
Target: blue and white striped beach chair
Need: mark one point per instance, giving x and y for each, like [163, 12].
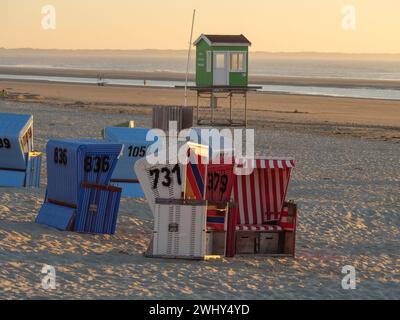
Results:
[20, 166]
[79, 196]
[135, 148]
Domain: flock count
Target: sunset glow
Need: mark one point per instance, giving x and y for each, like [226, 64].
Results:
[273, 25]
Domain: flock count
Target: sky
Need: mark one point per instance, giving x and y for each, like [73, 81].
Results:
[271, 25]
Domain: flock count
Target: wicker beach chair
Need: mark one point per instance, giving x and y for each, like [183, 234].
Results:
[263, 221]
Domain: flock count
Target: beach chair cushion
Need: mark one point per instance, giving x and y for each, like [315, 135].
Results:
[288, 218]
[216, 220]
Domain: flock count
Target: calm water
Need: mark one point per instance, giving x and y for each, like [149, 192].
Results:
[297, 65]
[294, 65]
[371, 93]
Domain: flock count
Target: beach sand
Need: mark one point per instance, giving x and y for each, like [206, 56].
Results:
[346, 184]
[370, 118]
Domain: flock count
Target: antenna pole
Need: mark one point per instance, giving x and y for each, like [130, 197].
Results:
[189, 54]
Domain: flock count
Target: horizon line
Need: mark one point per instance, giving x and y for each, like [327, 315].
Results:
[185, 50]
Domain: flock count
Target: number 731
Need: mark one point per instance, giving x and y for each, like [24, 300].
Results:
[168, 174]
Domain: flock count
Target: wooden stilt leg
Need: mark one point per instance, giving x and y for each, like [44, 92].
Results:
[245, 109]
[198, 101]
[212, 108]
[230, 108]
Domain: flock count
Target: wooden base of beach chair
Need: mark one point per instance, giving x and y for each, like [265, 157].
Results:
[175, 257]
[258, 255]
[289, 244]
[211, 255]
[216, 243]
[205, 258]
[149, 254]
[271, 244]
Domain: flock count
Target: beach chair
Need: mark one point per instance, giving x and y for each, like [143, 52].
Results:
[79, 196]
[176, 195]
[20, 165]
[135, 148]
[218, 185]
[169, 181]
[179, 229]
[218, 195]
[264, 222]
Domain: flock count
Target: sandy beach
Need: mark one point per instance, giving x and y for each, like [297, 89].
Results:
[366, 118]
[317, 84]
[346, 183]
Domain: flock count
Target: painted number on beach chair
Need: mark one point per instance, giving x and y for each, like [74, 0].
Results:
[97, 164]
[217, 181]
[137, 151]
[61, 156]
[5, 143]
[167, 176]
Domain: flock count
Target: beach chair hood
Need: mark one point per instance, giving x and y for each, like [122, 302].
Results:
[135, 148]
[260, 195]
[15, 140]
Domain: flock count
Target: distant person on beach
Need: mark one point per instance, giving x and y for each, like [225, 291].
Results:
[100, 81]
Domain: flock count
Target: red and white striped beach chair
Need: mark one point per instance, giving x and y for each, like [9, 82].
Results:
[263, 222]
[218, 194]
[220, 181]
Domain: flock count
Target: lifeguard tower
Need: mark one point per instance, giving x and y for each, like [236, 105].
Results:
[222, 71]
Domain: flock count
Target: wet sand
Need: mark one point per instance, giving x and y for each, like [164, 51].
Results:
[262, 107]
[176, 76]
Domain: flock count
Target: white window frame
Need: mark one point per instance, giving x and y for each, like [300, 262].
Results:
[225, 56]
[244, 63]
[209, 61]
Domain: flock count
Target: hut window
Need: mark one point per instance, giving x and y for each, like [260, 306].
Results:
[220, 60]
[238, 62]
[209, 60]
